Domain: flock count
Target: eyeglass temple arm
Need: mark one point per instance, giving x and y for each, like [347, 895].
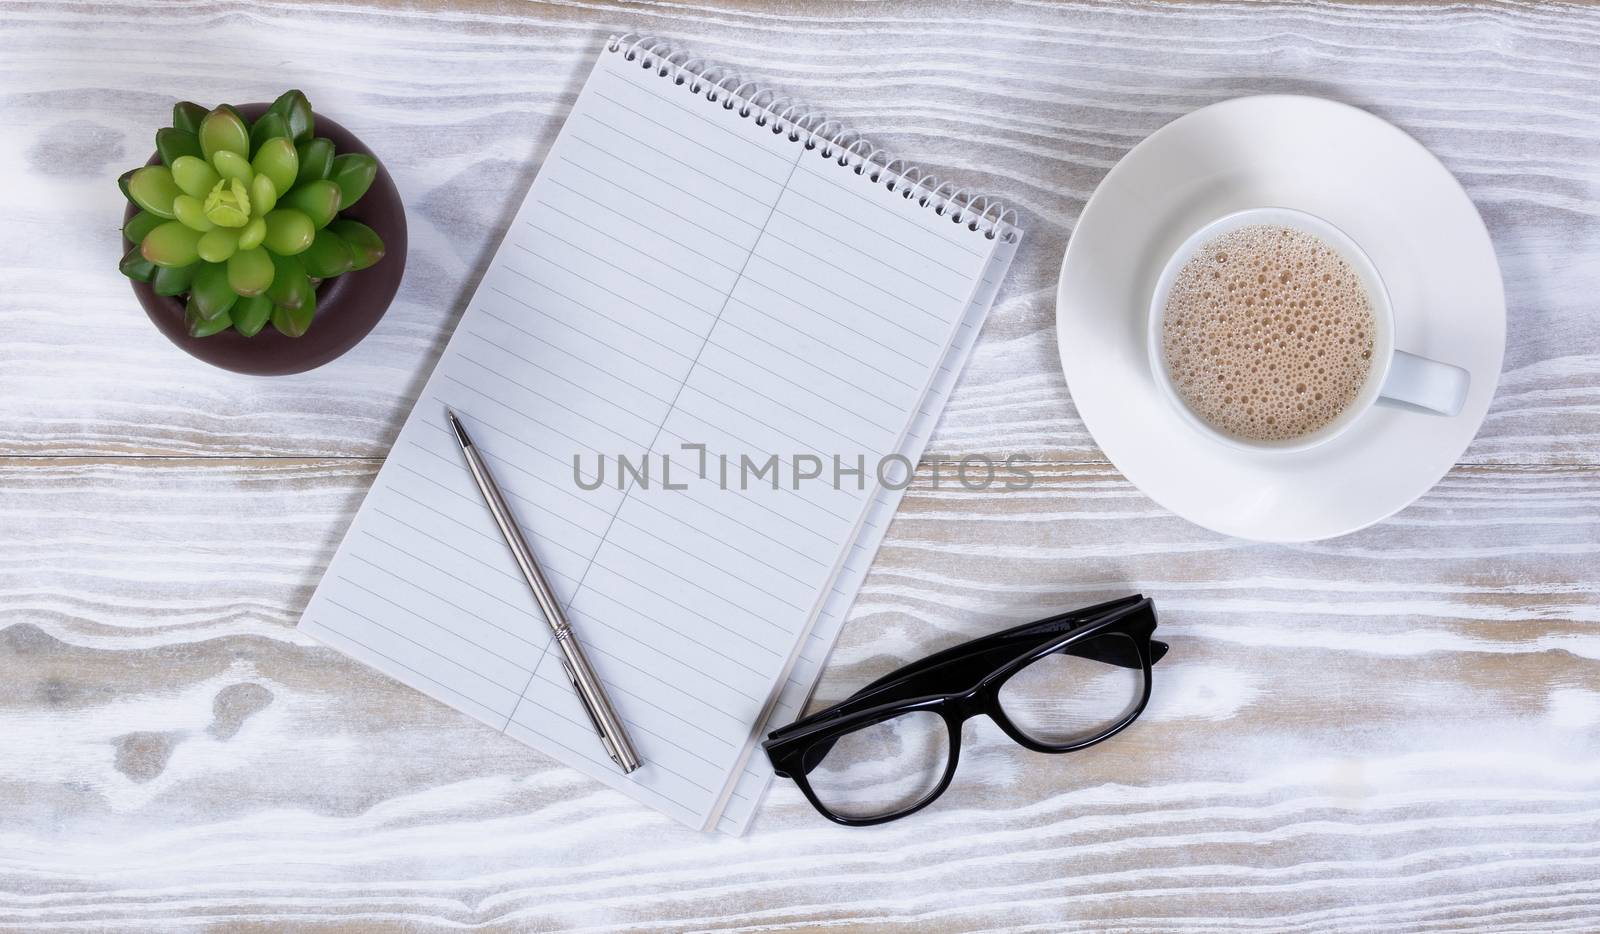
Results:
[974, 659]
[975, 666]
[1006, 638]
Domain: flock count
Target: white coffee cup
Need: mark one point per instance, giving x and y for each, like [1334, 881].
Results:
[1424, 385]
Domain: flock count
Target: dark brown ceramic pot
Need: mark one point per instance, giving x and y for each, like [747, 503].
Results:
[348, 306]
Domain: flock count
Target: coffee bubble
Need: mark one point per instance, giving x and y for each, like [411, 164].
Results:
[1268, 333]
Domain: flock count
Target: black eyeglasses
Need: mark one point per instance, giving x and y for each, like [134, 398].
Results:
[1055, 685]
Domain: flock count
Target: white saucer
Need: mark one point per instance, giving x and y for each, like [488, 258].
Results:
[1366, 177]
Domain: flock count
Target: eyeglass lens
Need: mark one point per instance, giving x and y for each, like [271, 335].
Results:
[1075, 695]
[883, 768]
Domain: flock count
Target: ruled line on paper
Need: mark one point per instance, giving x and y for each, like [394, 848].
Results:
[734, 519]
[919, 279]
[526, 361]
[631, 221]
[660, 180]
[452, 695]
[563, 547]
[812, 365]
[553, 318]
[705, 340]
[696, 113]
[517, 272]
[880, 210]
[470, 671]
[757, 775]
[646, 731]
[442, 543]
[615, 268]
[641, 306]
[787, 488]
[720, 178]
[546, 542]
[818, 258]
[867, 283]
[529, 645]
[627, 246]
[843, 353]
[636, 198]
[508, 465]
[785, 296]
[851, 192]
[483, 532]
[809, 282]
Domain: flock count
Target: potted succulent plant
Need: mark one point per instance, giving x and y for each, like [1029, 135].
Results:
[262, 238]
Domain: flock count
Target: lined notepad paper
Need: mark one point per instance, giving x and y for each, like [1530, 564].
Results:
[796, 691]
[681, 281]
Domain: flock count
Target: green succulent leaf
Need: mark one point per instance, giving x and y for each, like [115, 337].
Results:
[231, 165]
[293, 322]
[172, 143]
[217, 245]
[353, 172]
[122, 183]
[328, 256]
[250, 314]
[253, 233]
[191, 212]
[318, 200]
[201, 326]
[366, 247]
[263, 196]
[289, 232]
[210, 291]
[316, 159]
[171, 244]
[250, 271]
[153, 189]
[135, 266]
[277, 160]
[140, 225]
[270, 126]
[290, 287]
[296, 112]
[194, 176]
[173, 280]
[223, 130]
[187, 115]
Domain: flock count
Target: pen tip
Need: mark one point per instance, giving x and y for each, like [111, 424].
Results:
[455, 423]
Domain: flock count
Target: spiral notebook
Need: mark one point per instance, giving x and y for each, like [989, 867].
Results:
[701, 364]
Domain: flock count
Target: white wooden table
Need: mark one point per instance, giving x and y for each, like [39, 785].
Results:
[1397, 730]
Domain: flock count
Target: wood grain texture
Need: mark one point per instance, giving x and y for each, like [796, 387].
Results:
[1395, 730]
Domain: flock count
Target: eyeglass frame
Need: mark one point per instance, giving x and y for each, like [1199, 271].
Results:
[1132, 616]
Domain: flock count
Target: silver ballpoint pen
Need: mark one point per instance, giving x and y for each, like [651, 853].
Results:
[590, 691]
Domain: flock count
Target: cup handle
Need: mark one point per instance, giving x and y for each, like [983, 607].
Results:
[1440, 388]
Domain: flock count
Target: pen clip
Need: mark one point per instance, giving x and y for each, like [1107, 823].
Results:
[588, 709]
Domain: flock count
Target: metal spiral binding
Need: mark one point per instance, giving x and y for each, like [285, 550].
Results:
[848, 149]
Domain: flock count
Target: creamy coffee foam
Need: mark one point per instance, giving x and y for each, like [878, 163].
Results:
[1268, 333]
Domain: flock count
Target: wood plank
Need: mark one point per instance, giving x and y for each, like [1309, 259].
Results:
[1396, 729]
[1031, 103]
